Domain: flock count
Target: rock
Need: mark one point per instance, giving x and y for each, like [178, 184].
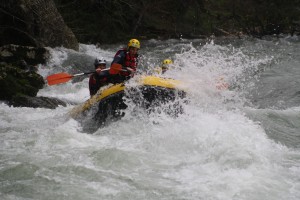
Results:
[36, 102]
[19, 81]
[14, 80]
[18, 77]
[16, 54]
[34, 23]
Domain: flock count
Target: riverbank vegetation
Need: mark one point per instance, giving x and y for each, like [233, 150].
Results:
[41, 23]
[107, 21]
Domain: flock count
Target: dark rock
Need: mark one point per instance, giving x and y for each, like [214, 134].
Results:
[34, 23]
[36, 102]
[19, 85]
[17, 55]
[18, 77]
[14, 80]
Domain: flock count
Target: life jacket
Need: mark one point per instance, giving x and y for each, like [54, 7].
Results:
[129, 61]
[96, 81]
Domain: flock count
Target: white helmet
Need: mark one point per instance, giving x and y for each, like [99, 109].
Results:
[99, 62]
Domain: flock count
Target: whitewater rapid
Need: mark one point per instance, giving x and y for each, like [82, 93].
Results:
[228, 144]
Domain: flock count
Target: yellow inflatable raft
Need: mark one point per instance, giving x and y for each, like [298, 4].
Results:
[108, 103]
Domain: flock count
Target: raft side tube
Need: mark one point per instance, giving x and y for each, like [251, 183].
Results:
[108, 103]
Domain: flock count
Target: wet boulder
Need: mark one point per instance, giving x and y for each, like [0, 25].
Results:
[19, 88]
[19, 80]
[36, 102]
[15, 80]
[34, 23]
[16, 54]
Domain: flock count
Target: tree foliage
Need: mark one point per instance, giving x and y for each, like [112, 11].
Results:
[113, 20]
[109, 21]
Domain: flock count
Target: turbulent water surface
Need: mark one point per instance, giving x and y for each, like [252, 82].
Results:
[240, 143]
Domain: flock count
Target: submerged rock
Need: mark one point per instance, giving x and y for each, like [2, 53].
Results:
[36, 102]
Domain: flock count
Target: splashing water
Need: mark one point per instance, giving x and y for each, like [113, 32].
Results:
[227, 144]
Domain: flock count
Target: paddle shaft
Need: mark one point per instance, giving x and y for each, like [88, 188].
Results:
[84, 73]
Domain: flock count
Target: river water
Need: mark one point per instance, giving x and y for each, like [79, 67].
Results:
[240, 143]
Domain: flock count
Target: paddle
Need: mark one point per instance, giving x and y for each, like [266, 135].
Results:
[115, 68]
[63, 77]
